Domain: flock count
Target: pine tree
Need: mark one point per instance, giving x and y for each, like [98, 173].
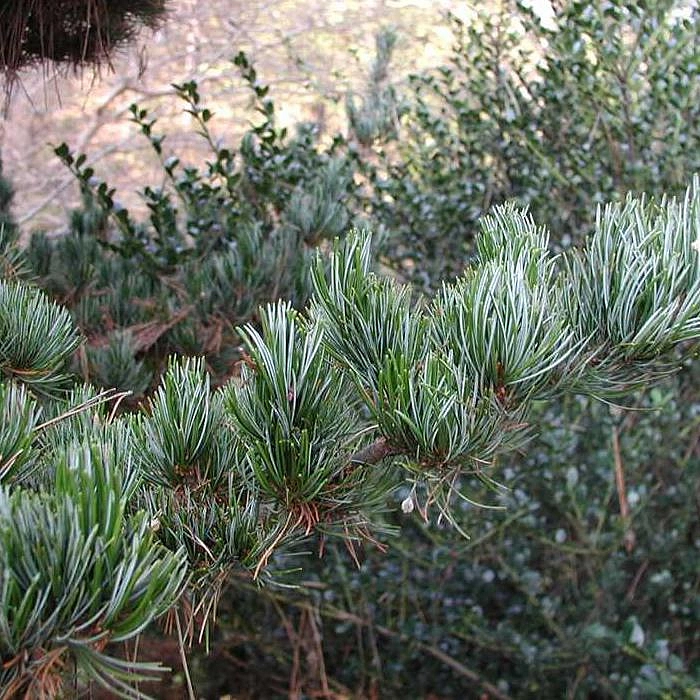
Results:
[110, 519]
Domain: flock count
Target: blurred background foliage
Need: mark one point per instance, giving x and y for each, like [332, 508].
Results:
[584, 581]
[560, 116]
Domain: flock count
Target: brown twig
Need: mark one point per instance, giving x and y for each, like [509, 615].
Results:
[629, 596]
[374, 453]
[342, 615]
[629, 537]
[436, 653]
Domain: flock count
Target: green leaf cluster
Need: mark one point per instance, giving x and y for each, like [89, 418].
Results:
[559, 113]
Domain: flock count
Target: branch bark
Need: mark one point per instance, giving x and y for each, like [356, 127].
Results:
[374, 453]
[629, 538]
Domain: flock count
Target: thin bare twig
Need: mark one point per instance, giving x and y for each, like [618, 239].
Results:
[342, 615]
[183, 657]
[629, 537]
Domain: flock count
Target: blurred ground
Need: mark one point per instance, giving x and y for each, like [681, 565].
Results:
[311, 52]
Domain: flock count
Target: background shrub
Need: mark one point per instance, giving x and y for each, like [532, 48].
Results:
[559, 115]
[220, 241]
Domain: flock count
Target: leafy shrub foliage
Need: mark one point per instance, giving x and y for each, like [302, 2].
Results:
[560, 116]
[218, 242]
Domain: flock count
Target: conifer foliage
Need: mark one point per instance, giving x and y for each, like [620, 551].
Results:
[69, 33]
[110, 519]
